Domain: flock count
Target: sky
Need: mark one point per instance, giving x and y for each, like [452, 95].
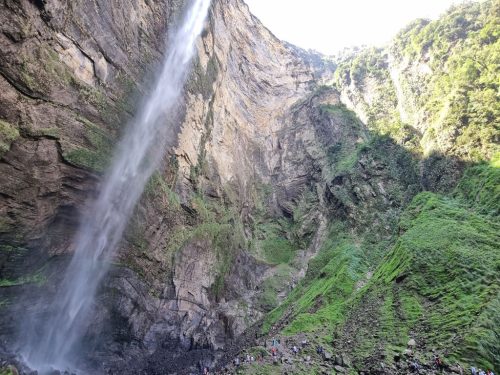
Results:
[328, 26]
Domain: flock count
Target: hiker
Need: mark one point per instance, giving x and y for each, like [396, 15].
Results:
[415, 366]
[489, 372]
[248, 358]
[481, 372]
[319, 349]
[473, 370]
[275, 342]
[274, 351]
[295, 350]
[206, 371]
[237, 362]
[304, 343]
[252, 359]
[439, 363]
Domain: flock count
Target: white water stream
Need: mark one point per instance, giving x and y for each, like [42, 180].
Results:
[53, 344]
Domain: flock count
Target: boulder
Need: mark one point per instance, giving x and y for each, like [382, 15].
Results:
[338, 360]
[339, 369]
[345, 361]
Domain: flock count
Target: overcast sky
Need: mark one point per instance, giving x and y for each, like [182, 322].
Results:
[330, 25]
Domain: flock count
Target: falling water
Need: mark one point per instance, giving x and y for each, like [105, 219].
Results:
[55, 344]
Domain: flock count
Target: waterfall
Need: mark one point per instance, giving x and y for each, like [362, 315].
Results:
[55, 342]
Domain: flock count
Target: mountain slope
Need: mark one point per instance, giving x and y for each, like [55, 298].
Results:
[438, 280]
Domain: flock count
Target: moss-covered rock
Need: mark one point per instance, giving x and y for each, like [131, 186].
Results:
[97, 156]
[8, 134]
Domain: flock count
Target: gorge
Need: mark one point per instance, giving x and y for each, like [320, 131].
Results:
[349, 201]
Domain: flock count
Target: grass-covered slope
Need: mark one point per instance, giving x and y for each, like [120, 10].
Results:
[438, 284]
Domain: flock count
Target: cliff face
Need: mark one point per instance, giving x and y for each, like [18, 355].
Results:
[275, 203]
[67, 71]
[72, 75]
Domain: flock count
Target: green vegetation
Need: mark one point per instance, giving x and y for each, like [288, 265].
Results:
[5, 225]
[444, 79]
[480, 188]
[157, 187]
[220, 227]
[320, 298]
[342, 112]
[460, 97]
[448, 260]
[343, 155]
[268, 299]
[52, 132]
[96, 157]
[276, 241]
[92, 96]
[272, 243]
[38, 278]
[369, 72]
[7, 371]
[203, 79]
[8, 134]
[54, 73]
[277, 250]
[438, 284]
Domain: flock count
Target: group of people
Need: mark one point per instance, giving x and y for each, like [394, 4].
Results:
[295, 348]
[274, 351]
[475, 371]
[248, 358]
[440, 366]
[413, 364]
